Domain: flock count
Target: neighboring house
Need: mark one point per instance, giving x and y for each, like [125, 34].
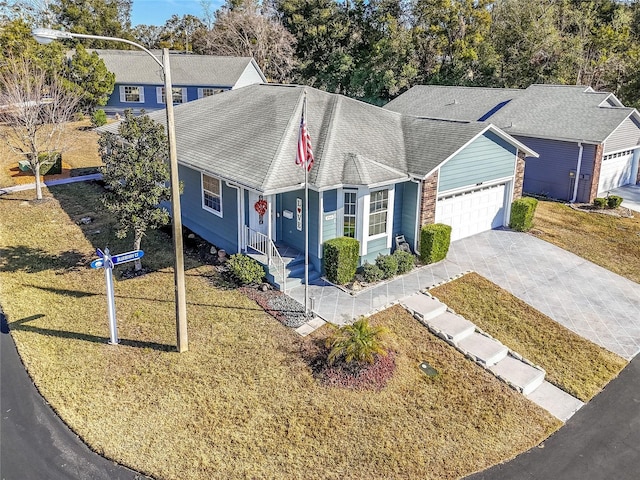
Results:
[377, 174]
[140, 83]
[588, 142]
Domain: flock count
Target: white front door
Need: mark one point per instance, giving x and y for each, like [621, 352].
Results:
[259, 223]
[473, 211]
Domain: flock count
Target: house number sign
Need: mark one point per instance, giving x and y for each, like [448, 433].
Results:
[299, 214]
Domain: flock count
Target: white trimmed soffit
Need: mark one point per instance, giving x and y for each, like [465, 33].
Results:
[490, 127]
[633, 113]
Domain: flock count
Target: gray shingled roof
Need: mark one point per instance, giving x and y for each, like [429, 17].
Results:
[137, 67]
[456, 103]
[561, 112]
[249, 136]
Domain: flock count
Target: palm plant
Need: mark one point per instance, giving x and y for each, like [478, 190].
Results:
[358, 342]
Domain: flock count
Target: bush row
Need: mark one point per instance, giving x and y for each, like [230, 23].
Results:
[388, 266]
[612, 201]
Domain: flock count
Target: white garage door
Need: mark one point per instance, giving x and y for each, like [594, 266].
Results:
[473, 211]
[615, 171]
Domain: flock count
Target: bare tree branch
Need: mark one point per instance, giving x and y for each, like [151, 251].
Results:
[34, 109]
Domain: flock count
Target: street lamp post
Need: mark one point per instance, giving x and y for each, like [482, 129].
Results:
[47, 35]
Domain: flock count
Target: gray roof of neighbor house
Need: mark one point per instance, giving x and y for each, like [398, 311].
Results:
[137, 67]
[249, 136]
[560, 112]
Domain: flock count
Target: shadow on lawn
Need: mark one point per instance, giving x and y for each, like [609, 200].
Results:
[22, 325]
[80, 294]
[33, 260]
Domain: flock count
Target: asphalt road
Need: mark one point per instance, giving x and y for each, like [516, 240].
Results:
[34, 443]
[601, 441]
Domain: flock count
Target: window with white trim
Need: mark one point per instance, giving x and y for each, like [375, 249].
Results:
[349, 215]
[378, 209]
[212, 194]
[179, 95]
[131, 94]
[208, 91]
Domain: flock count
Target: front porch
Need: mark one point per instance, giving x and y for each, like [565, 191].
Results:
[283, 263]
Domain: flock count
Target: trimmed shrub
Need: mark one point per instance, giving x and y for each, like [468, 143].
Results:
[614, 201]
[371, 272]
[50, 164]
[406, 261]
[341, 259]
[245, 270]
[99, 118]
[434, 242]
[388, 265]
[600, 202]
[522, 211]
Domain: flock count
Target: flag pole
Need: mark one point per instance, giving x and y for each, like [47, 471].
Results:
[306, 219]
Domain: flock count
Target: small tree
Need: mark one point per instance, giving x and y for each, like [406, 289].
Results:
[35, 107]
[359, 342]
[136, 174]
[88, 76]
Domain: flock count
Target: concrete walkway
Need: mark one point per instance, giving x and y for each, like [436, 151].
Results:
[50, 183]
[588, 299]
[631, 196]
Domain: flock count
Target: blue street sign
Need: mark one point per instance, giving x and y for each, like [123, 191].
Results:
[98, 263]
[100, 253]
[127, 257]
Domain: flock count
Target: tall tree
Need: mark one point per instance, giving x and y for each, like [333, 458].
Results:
[35, 109]
[109, 18]
[451, 32]
[321, 30]
[136, 173]
[147, 35]
[247, 29]
[179, 33]
[89, 78]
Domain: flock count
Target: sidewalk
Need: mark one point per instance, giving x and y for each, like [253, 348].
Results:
[50, 183]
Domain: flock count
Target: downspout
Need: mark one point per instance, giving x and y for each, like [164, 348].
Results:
[239, 208]
[575, 185]
[416, 233]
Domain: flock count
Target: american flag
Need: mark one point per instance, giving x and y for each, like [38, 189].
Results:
[304, 155]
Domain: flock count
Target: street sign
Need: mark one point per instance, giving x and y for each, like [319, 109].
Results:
[100, 253]
[127, 257]
[97, 263]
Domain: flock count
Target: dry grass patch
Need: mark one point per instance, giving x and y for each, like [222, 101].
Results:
[608, 241]
[243, 401]
[80, 157]
[572, 362]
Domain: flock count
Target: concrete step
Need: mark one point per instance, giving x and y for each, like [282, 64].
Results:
[519, 374]
[424, 306]
[453, 326]
[557, 402]
[482, 348]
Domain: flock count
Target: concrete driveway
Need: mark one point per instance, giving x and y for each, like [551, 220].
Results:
[631, 195]
[588, 299]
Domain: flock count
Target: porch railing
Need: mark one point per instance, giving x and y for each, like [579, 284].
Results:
[262, 244]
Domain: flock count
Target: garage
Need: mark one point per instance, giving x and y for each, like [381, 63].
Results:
[473, 211]
[616, 171]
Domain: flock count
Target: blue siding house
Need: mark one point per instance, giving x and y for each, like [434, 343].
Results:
[377, 174]
[140, 84]
[588, 142]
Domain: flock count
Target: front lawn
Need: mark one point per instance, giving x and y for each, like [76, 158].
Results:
[608, 241]
[572, 362]
[243, 401]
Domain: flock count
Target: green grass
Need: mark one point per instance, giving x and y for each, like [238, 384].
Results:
[243, 401]
[608, 241]
[572, 362]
